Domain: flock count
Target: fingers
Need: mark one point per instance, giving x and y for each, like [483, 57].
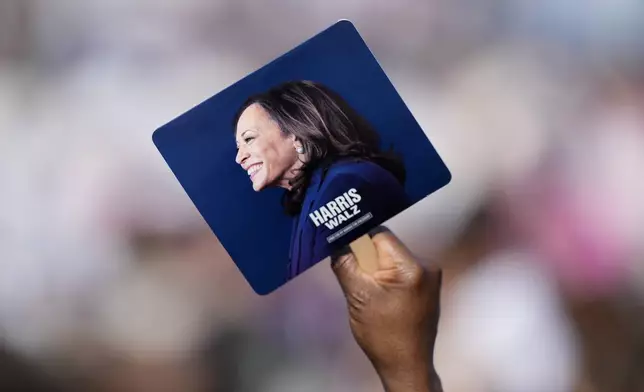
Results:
[346, 269]
[392, 256]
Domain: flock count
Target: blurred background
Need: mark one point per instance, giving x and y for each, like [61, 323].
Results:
[111, 281]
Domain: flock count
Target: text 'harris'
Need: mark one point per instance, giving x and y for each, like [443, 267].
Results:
[337, 211]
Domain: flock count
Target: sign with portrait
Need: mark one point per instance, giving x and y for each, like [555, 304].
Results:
[301, 157]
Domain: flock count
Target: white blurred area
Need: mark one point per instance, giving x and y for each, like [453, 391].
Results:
[111, 281]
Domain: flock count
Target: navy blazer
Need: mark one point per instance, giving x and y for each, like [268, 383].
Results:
[342, 203]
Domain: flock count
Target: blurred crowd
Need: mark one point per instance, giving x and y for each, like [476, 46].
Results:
[111, 281]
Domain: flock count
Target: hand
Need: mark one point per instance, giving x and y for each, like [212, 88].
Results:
[393, 313]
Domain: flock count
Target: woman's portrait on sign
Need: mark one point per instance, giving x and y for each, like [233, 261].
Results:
[303, 137]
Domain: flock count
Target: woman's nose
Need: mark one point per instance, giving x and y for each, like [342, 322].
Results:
[241, 156]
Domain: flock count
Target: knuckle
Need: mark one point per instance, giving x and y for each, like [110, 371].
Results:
[417, 275]
[359, 298]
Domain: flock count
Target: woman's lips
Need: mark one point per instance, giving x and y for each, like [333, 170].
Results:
[253, 169]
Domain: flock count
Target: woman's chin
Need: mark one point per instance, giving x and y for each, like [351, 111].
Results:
[258, 185]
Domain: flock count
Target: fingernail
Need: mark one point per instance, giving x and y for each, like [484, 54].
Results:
[378, 230]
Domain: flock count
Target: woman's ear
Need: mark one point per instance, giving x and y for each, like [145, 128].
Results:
[298, 147]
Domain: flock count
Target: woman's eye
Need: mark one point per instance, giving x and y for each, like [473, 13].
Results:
[248, 139]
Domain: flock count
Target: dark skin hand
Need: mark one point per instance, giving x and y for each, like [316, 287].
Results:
[393, 313]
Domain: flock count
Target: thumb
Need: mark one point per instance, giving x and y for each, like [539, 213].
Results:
[391, 251]
[346, 269]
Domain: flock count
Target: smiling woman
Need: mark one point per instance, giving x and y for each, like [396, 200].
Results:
[268, 155]
[305, 138]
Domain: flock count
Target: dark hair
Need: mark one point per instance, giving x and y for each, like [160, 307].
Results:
[328, 128]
